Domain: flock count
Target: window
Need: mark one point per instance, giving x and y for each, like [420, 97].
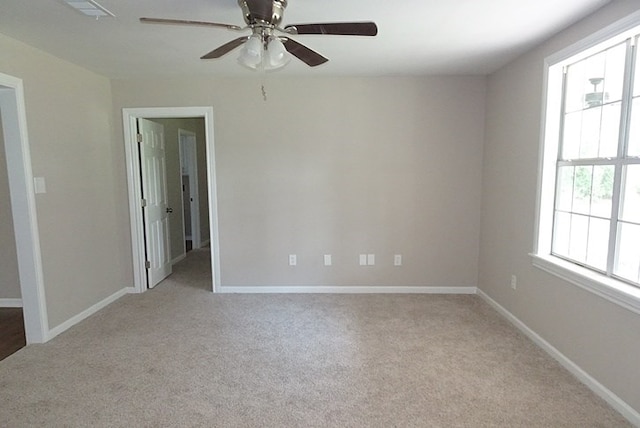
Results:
[589, 205]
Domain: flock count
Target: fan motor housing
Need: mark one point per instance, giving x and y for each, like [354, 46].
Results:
[263, 15]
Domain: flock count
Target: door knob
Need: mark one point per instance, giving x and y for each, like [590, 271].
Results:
[169, 210]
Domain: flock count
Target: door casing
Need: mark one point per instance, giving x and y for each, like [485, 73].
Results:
[132, 152]
[23, 209]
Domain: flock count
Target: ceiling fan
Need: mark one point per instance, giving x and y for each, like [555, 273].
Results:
[268, 44]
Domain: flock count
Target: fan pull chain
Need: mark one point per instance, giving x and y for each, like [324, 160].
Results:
[263, 80]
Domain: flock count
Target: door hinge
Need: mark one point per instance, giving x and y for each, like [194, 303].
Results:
[139, 138]
[143, 203]
[147, 264]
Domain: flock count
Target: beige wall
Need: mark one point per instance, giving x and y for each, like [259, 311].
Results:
[340, 166]
[174, 178]
[602, 338]
[83, 217]
[333, 165]
[9, 279]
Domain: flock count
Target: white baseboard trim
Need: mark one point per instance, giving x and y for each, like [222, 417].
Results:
[87, 313]
[347, 289]
[10, 303]
[603, 392]
[205, 243]
[179, 258]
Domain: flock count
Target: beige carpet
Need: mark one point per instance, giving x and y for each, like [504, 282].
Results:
[181, 356]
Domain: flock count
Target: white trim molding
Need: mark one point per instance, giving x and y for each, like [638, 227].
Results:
[10, 303]
[613, 290]
[600, 390]
[129, 118]
[23, 208]
[179, 258]
[337, 289]
[61, 328]
[616, 29]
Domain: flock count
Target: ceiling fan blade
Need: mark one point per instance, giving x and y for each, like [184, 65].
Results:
[224, 49]
[187, 22]
[303, 53]
[337, 28]
[260, 9]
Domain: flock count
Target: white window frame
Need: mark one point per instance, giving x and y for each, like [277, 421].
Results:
[616, 291]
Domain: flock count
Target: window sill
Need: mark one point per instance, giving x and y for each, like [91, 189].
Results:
[618, 292]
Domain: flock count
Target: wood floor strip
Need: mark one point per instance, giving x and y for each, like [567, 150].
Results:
[12, 337]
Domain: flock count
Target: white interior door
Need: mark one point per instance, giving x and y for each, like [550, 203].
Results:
[154, 192]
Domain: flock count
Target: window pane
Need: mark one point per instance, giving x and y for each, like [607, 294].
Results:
[561, 232]
[592, 105]
[602, 190]
[574, 98]
[614, 72]
[634, 131]
[631, 195]
[609, 131]
[564, 199]
[628, 255]
[598, 245]
[582, 190]
[591, 158]
[578, 237]
[590, 136]
[571, 135]
[591, 133]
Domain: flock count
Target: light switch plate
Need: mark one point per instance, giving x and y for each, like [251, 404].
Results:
[371, 259]
[39, 185]
[327, 259]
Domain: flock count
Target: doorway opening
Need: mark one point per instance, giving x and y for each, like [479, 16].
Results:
[12, 336]
[23, 210]
[137, 198]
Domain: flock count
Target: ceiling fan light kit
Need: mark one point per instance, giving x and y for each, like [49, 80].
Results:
[277, 54]
[263, 49]
[251, 54]
[264, 52]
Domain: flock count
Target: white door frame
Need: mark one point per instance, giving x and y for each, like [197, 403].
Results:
[189, 150]
[23, 209]
[132, 151]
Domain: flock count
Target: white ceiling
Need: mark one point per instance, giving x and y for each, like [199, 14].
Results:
[415, 36]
